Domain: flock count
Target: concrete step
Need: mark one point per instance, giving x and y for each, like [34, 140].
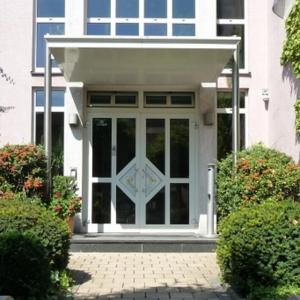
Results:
[141, 243]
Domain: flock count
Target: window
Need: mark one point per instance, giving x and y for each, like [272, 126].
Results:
[231, 21]
[50, 19]
[175, 99]
[224, 112]
[57, 125]
[112, 99]
[142, 17]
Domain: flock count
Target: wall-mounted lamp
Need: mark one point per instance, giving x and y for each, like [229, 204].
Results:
[73, 119]
[208, 118]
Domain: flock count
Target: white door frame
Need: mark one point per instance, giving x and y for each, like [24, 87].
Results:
[140, 158]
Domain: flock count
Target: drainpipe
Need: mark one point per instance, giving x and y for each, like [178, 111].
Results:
[235, 105]
[48, 117]
[210, 233]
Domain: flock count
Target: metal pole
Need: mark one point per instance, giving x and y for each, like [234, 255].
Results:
[47, 118]
[211, 201]
[235, 106]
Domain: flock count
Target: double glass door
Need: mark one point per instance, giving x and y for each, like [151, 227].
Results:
[140, 171]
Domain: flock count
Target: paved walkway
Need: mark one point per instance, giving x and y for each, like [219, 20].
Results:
[139, 276]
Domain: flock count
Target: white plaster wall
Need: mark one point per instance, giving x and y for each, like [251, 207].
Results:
[284, 90]
[16, 59]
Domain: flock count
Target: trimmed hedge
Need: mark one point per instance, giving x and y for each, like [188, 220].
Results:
[30, 218]
[260, 173]
[25, 268]
[259, 247]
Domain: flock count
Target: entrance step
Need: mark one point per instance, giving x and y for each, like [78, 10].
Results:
[141, 243]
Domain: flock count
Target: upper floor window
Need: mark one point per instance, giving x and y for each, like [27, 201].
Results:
[231, 21]
[142, 17]
[50, 19]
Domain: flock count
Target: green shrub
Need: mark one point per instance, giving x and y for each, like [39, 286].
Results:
[65, 202]
[259, 246]
[26, 217]
[23, 169]
[24, 265]
[260, 173]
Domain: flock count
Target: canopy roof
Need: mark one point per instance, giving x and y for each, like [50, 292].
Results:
[126, 61]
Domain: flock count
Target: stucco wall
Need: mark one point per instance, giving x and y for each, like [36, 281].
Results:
[284, 90]
[15, 59]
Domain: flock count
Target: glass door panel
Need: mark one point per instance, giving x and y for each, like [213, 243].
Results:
[179, 148]
[102, 144]
[155, 142]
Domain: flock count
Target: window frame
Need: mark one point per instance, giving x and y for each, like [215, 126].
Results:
[228, 111]
[142, 20]
[112, 95]
[41, 109]
[243, 22]
[43, 20]
[168, 96]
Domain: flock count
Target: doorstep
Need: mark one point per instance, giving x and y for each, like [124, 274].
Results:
[136, 242]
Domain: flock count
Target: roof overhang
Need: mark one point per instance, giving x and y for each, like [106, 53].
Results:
[127, 61]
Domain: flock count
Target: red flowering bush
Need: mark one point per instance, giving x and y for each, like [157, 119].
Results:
[260, 173]
[65, 202]
[22, 169]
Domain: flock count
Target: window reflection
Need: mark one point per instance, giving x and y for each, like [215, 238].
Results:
[127, 8]
[155, 8]
[51, 8]
[98, 8]
[184, 9]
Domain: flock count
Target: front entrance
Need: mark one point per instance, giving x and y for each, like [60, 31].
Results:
[140, 172]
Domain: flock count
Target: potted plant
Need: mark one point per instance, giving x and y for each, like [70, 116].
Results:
[65, 203]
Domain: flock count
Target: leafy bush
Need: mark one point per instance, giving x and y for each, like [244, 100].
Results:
[25, 217]
[259, 247]
[24, 265]
[22, 169]
[260, 173]
[65, 203]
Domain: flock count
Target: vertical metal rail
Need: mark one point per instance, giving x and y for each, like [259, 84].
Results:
[235, 106]
[48, 117]
[211, 201]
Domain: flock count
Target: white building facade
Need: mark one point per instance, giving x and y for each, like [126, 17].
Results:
[142, 101]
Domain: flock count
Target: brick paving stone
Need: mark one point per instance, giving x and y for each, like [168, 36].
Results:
[139, 276]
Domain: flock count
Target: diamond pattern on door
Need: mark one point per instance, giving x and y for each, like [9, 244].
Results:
[128, 181]
[152, 180]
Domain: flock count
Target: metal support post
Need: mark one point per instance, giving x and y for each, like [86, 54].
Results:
[211, 201]
[235, 106]
[47, 117]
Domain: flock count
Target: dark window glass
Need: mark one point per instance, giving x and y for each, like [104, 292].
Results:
[125, 99]
[101, 196]
[230, 30]
[155, 29]
[125, 142]
[155, 209]
[183, 29]
[155, 8]
[225, 100]
[42, 29]
[98, 29]
[100, 99]
[179, 203]
[181, 100]
[127, 8]
[51, 8]
[156, 100]
[225, 134]
[102, 145]
[155, 142]
[184, 9]
[57, 139]
[125, 209]
[230, 9]
[98, 9]
[179, 148]
[58, 98]
[127, 29]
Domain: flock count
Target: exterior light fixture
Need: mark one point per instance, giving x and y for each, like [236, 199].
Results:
[73, 119]
[282, 7]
